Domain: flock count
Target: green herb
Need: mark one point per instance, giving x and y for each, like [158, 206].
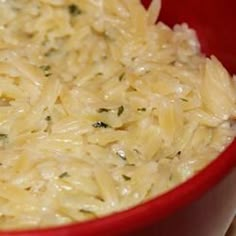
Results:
[99, 74]
[28, 188]
[101, 110]
[100, 198]
[46, 69]
[74, 10]
[130, 164]
[120, 110]
[100, 124]
[121, 154]
[3, 139]
[50, 52]
[85, 211]
[48, 118]
[142, 109]
[184, 99]
[126, 178]
[3, 136]
[121, 77]
[63, 175]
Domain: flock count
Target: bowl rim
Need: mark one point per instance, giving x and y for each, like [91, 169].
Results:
[151, 211]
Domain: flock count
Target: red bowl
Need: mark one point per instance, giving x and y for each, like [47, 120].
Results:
[205, 204]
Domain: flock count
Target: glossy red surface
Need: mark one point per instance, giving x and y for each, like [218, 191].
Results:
[213, 190]
[214, 21]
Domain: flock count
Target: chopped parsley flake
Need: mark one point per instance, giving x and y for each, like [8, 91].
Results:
[85, 211]
[121, 77]
[101, 110]
[74, 10]
[3, 136]
[100, 124]
[130, 164]
[48, 118]
[50, 52]
[46, 69]
[121, 154]
[28, 188]
[63, 175]
[126, 178]
[141, 109]
[120, 110]
[184, 99]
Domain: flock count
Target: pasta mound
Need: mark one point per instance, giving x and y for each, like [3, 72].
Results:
[102, 109]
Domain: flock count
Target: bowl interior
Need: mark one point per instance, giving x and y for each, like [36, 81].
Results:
[212, 19]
